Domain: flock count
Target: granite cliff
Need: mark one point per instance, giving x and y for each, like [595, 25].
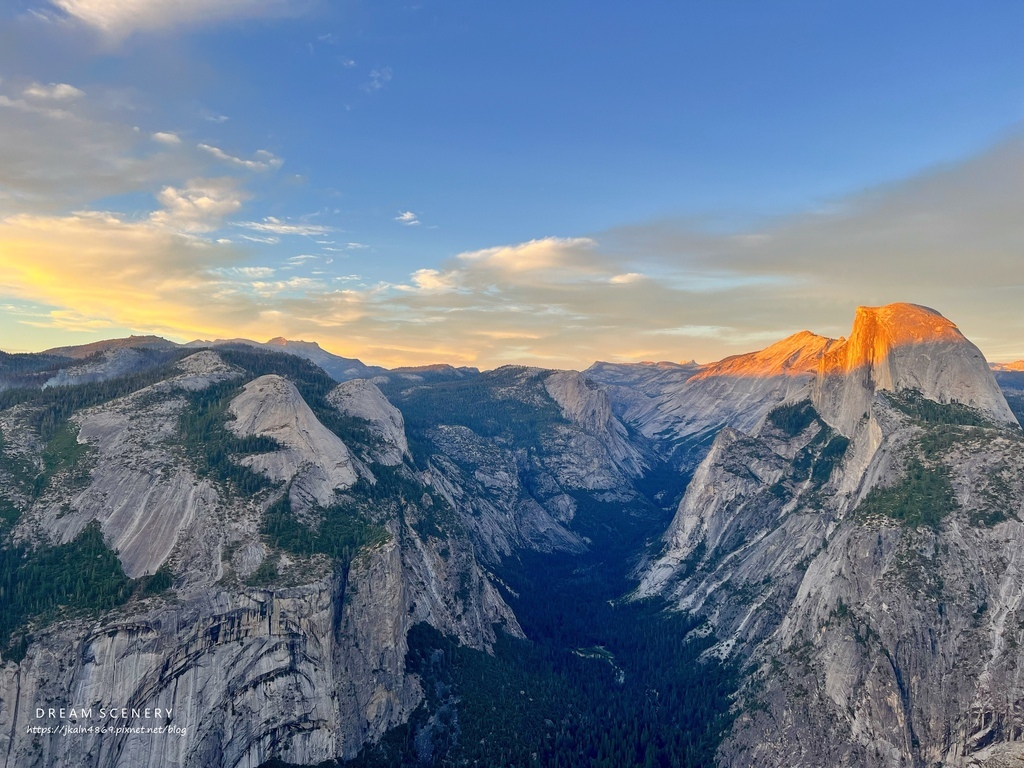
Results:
[858, 550]
[231, 535]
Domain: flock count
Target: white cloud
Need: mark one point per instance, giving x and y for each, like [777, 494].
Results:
[264, 160]
[55, 113]
[433, 281]
[567, 254]
[120, 18]
[291, 285]
[258, 239]
[378, 79]
[165, 137]
[199, 207]
[53, 92]
[625, 278]
[278, 227]
[408, 218]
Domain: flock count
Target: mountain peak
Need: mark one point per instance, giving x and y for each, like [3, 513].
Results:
[85, 350]
[792, 356]
[1014, 366]
[901, 347]
[281, 341]
[901, 323]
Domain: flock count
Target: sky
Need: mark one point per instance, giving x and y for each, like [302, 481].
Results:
[542, 183]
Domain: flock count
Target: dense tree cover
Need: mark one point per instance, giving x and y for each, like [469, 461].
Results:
[29, 362]
[1016, 402]
[340, 533]
[29, 371]
[63, 453]
[794, 418]
[82, 575]
[598, 683]
[53, 405]
[925, 411]
[819, 457]
[1010, 380]
[924, 496]
[823, 452]
[831, 454]
[212, 448]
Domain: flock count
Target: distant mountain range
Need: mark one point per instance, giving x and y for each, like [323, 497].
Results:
[805, 555]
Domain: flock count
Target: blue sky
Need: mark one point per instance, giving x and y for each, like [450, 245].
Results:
[547, 183]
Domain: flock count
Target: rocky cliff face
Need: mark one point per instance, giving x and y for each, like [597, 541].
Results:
[362, 399]
[852, 536]
[312, 458]
[513, 449]
[861, 554]
[584, 404]
[684, 406]
[904, 347]
[258, 650]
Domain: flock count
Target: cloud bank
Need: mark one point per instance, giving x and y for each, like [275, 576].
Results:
[670, 289]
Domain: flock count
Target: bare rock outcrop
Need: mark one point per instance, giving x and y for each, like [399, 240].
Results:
[138, 487]
[363, 400]
[312, 457]
[588, 407]
[685, 405]
[904, 347]
[302, 661]
[864, 559]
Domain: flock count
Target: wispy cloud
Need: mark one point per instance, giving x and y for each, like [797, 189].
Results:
[547, 256]
[254, 271]
[98, 270]
[62, 152]
[950, 239]
[378, 79]
[278, 227]
[53, 92]
[432, 281]
[408, 218]
[263, 161]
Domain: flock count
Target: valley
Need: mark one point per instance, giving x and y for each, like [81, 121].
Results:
[808, 555]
